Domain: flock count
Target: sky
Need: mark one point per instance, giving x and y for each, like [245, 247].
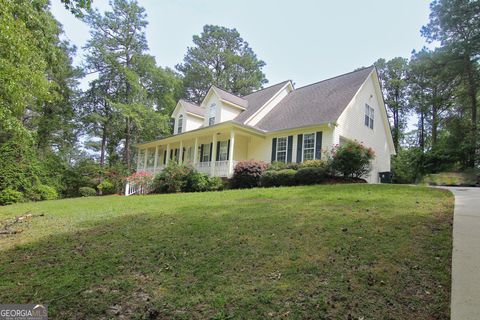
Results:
[304, 40]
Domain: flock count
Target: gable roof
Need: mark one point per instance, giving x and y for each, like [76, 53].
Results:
[193, 108]
[317, 103]
[257, 99]
[227, 96]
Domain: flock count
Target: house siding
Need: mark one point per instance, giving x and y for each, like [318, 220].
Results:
[192, 122]
[351, 126]
[261, 149]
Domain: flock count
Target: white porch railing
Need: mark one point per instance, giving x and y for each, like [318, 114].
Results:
[203, 167]
[132, 188]
[221, 169]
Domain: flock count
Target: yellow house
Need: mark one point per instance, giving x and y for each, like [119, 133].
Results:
[278, 123]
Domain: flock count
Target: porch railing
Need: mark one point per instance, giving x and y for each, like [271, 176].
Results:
[221, 168]
[132, 188]
[204, 167]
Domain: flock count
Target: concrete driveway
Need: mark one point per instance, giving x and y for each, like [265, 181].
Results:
[466, 254]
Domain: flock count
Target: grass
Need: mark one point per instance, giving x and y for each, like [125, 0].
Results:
[316, 252]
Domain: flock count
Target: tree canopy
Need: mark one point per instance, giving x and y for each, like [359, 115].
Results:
[220, 57]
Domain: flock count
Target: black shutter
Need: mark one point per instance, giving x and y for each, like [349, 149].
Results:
[318, 145]
[274, 149]
[201, 152]
[289, 148]
[164, 156]
[299, 147]
[217, 156]
[211, 150]
[228, 150]
[183, 154]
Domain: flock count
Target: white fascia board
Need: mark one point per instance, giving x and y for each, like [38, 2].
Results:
[195, 115]
[232, 104]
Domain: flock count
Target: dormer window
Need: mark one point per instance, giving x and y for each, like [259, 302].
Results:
[180, 124]
[211, 114]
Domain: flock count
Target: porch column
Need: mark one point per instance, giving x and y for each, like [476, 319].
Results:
[195, 152]
[168, 154]
[155, 163]
[145, 160]
[180, 152]
[138, 158]
[214, 154]
[230, 152]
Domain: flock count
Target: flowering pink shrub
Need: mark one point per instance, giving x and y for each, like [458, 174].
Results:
[143, 179]
[352, 159]
[246, 174]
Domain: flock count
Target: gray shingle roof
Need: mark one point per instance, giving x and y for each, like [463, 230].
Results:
[231, 97]
[317, 103]
[193, 108]
[257, 99]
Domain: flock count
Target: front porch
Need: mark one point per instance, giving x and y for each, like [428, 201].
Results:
[212, 152]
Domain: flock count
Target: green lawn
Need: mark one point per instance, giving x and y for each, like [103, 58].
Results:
[317, 252]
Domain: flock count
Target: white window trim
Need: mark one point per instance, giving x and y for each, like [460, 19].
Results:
[314, 145]
[286, 149]
[213, 107]
[206, 146]
[180, 120]
[225, 143]
[370, 113]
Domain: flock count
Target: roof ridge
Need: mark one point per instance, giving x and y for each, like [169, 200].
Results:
[273, 85]
[341, 75]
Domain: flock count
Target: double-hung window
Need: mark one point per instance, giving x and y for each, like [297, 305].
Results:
[206, 153]
[369, 116]
[223, 151]
[211, 115]
[281, 149]
[180, 124]
[308, 146]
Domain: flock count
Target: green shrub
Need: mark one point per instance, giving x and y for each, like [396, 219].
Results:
[278, 178]
[196, 182]
[10, 196]
[183, 178]
[310, 175]
[313, 164]
[247, 173]
[106, 187]
[352, 159]
[277, 166]
[215, 184]
[46, 192]
[87, 192]
[173, 178]
[451, 179]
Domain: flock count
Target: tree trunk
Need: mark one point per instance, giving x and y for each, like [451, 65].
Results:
[127, 143]
[103, 145]
[422, 131]
[434, 124]
[472, 92]
[129, 120]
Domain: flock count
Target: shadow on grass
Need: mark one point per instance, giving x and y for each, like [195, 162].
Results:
[250, 260]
